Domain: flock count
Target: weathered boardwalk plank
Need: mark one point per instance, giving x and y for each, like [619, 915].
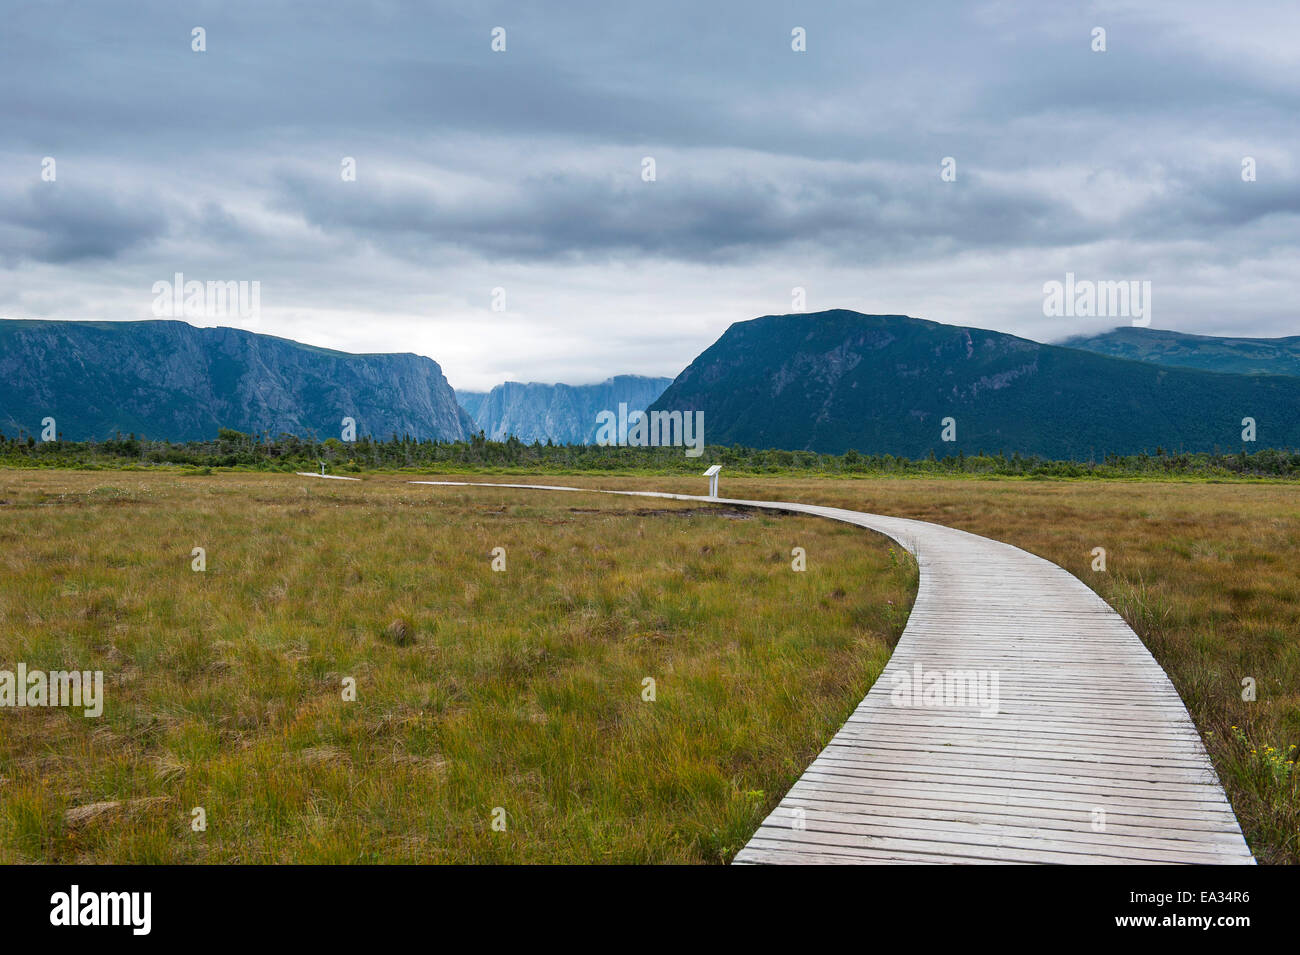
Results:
[1089, 758]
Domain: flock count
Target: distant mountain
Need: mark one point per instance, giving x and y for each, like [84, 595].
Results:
[165, 379]
[838, 380]
[564, 414]
[1242, 356]
[471, 401]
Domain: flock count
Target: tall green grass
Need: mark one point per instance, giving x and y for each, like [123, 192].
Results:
[519, 690]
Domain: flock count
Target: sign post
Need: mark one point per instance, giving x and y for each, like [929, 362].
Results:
[712, 475]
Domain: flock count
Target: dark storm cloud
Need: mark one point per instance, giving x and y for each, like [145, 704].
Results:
[733, 207]
[65, 225]
[738, 205]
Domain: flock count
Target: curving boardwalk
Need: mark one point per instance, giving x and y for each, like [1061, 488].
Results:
[1090, 756]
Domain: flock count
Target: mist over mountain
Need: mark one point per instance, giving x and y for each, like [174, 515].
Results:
[563, 414]
[1245, 356]
[840, 380]
[169, 379]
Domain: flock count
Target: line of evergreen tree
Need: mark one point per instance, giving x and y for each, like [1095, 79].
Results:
[286, 452]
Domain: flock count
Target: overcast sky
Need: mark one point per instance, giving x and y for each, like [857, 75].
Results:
[522, 169]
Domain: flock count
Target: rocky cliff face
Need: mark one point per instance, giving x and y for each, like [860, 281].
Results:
[886, 384]
[166, 379]
[564, 414]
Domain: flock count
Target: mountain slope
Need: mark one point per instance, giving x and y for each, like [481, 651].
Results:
[167, 379]
[1244, 356]
[884, 383]
[564, 414]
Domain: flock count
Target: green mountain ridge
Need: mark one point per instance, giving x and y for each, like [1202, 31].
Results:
[1244, 356]
[840, 380]
[169, 379]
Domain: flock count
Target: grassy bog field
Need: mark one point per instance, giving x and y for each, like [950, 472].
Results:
[476, 690]
[523, 689]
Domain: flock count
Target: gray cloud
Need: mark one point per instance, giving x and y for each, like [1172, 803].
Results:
[49, 222]
[521, 169]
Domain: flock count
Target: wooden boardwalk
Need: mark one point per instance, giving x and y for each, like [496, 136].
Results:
[1089, 758]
